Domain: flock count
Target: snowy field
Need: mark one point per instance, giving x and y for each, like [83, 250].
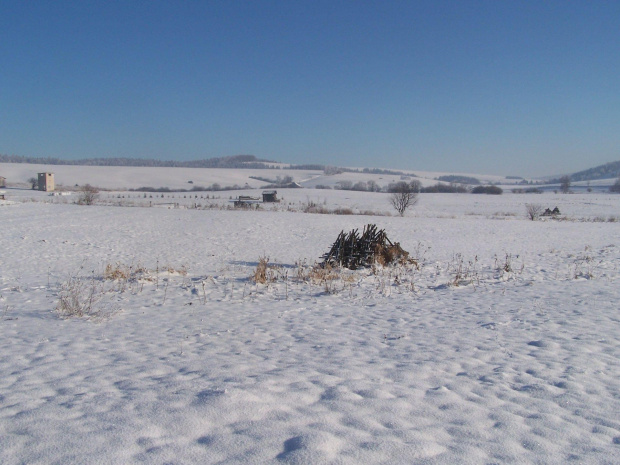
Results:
[501, 347]
[119, 177]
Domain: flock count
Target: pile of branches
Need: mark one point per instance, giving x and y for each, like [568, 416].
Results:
[354, 251]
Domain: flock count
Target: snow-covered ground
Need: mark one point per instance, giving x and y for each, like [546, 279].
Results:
[502, 347]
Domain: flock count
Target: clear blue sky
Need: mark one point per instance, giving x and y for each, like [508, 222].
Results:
[503, 87]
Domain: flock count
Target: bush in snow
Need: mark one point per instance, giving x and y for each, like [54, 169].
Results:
[88, 196]
[80, 297]
[533, 210]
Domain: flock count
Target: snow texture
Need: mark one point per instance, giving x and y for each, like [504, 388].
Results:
[503, 347]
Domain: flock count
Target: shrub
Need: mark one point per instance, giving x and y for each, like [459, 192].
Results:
[402, 186]
[440, 188]
[260, 274]
[565, 184]
[264, 272]
[332, 170]
[80, 297]
[88, 196]
[401, 201]
[491, 190]
[360, 186]
[344, 185]
[529, 190]
[533, 210]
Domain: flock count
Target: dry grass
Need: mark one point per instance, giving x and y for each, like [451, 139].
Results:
[90, 296]
[121, 271]
[342, 211]
[463, 272]
[393, 255]
[260, 274]
[321, 274]
[182, 271]
[80, 297]
[312, 207]
[329, 277]
[127, 276]
[266, 273]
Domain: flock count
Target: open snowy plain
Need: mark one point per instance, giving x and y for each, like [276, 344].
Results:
[501, 347]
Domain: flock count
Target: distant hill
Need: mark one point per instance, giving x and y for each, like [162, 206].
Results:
[234, 161]
[231, 162]
[606, 171]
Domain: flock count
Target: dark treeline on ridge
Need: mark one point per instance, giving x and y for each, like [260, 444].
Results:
[606, 171]
[235, 161]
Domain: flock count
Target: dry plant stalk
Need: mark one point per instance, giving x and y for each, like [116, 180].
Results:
[322, 274]
[260, 274]
[79, 297]
[120, 271]
[265, 273]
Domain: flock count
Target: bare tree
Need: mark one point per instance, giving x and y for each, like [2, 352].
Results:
[34, 182]
[533, 210]
[565, 184]
[615, 187]
[400, 186]
[404, 198]
[415, 185]
[373, 186]
[360, 186]
[344, 185]
[89, 195]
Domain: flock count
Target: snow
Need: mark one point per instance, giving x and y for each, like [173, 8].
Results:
[501, 348]
[123, 177]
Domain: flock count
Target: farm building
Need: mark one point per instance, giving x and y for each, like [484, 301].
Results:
[245, 200]
[270, 196]
[46, 181]
[2, 182]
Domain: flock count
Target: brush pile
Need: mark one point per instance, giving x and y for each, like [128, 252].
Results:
[353, 251]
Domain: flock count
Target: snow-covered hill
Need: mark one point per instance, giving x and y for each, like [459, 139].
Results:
[119, 177]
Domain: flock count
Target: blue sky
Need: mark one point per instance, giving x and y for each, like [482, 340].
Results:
[499, 87]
